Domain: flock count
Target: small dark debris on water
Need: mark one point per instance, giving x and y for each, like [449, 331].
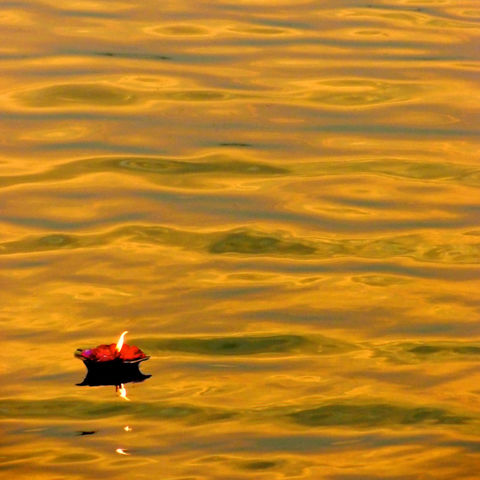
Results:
[233, 144]
[86, 432]
[141, 56]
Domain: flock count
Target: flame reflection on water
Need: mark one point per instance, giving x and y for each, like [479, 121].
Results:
[122, 391]
[122, 451]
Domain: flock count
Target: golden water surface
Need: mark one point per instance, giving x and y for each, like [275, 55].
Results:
[279, 200]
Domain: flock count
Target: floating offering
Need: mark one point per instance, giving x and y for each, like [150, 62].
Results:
[119, 352]
[114, 364]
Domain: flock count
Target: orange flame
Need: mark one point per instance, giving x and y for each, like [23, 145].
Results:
[122, 391]
[120, 341]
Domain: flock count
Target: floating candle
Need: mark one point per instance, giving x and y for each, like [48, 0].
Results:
[114, 364]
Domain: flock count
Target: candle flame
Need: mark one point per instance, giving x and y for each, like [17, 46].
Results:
[121, 451]
[120, 341]
[122, 391]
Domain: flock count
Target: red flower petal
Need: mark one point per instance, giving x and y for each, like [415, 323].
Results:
[130, 353]
[107, 353]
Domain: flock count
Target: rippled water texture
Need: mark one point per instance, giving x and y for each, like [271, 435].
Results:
[279, 200]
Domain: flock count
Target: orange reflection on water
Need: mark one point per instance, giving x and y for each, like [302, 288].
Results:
[281, 202]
